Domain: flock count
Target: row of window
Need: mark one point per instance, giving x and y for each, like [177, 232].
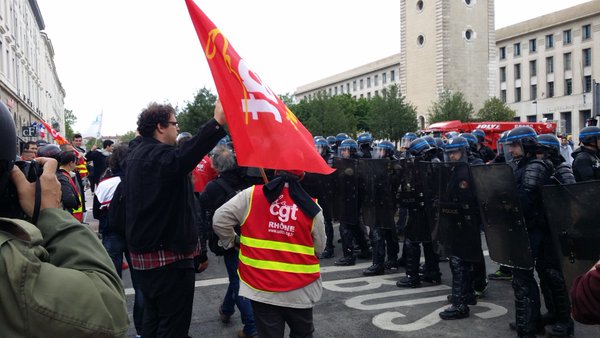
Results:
[586, 34]
[568, 89]
[567, 64]
[361, 83]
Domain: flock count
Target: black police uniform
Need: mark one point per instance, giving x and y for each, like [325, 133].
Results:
[586, 164]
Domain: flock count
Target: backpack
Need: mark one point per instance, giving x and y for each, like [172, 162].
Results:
[213, 239]
[116, 210]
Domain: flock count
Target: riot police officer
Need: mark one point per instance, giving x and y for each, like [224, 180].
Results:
[417, 228]
[485, 153]
[384, 236]
[364, 141]
[350, 229]
[530, 174]
[338, 140]
[586, 163]
[472, 153]
[550, 150]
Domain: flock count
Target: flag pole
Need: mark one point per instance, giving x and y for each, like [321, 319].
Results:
[264, 175]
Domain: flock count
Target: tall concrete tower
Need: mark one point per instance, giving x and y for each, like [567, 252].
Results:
[447, 44]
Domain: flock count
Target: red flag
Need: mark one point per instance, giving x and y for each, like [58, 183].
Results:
[264, 130]
[55, 135]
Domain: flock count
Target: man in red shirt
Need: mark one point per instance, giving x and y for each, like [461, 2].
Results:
[203, 173]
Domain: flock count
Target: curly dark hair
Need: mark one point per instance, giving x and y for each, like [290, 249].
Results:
[151, 116]
[118, 156]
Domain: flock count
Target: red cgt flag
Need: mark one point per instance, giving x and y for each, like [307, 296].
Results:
[265, 132]
[55, 135]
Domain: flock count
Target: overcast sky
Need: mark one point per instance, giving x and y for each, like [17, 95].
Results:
[116, 56]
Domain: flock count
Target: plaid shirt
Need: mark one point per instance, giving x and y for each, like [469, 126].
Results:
[156, 259]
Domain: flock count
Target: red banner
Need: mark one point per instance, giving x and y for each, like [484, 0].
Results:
[265, 132]
[55, 135]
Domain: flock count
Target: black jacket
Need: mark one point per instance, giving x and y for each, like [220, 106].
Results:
[160, 208]
[586, 164]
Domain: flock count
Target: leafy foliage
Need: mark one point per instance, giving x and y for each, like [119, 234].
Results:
[495, 110]
[451, 105]
[70, 120]
[197, 112]
[390, 116]
[128, 136]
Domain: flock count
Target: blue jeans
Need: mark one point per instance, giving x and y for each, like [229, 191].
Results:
[116, 246]
[232, 298]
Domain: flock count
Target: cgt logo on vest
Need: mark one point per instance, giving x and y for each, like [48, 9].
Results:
[283, 212]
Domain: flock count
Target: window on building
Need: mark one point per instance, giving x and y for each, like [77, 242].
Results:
[550, 89]
[566, 116]
[517, 49]
[362, 96]
[369, 82]
[566, 37]
[329, 91]
[384, 78]
[502, 53]
[587, 57]
[568, 86]
[587, 84]
[348, 87]
[567, 61]
[354, 85]
[531, 118]
[550, 65]
[335, 90]
[549, 41]
[503, 95]
[548, 117]
[502, 74]
[362, 85]
[518, 94]
[518, 71]
[369, 95]
[532, 45]
[586, 32]
[533, 68]
[393, 75]
[376, 80]
[533, 92]
[377, 93]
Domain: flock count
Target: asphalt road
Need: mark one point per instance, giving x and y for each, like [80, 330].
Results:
[357, 306]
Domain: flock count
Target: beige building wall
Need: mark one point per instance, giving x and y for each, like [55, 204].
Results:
[447, 45]
[556, 89]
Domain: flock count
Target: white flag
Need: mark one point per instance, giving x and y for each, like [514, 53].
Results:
[94, 130]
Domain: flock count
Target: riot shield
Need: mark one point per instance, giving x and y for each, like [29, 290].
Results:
[505, 230]
[455, 227]
[573, 215]
[409, 194]
[346, 203]
[377, 205]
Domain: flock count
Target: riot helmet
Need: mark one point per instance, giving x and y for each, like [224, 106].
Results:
[418, 147]
[589, 136]
[384, 149]
[480, 134]
[430, 140]
[471, 139]
[182, 137]
[8, 146]
[519, 142]
[439, 142]
[500, 143]
[317, 137]
[322, 146]
[364, 138]
[330, 140]
[456, 150]
[549, 144]
[451, 134]
[341, 137]
[407, 139]
[347, 148]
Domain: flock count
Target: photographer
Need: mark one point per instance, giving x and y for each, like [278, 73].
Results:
[56, 279]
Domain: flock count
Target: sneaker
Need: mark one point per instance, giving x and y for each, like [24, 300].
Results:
[345, 261]
[480, 293]
[224, 318]
[499, 275]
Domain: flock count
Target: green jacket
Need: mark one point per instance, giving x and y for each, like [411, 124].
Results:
[56, 280]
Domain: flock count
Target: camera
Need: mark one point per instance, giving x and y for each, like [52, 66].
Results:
[9, 198]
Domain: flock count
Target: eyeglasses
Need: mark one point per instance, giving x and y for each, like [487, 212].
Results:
[176, 124]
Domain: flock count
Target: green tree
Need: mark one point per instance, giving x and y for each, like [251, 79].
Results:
[327, 115]
[391, 116]
[198, 112]
[495, 110]
[451, 105]
[70, 120]
[128, 136]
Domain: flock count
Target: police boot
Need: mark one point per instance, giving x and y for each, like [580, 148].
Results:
[327, 253]
[460, 285]
[412, 254]
[563, 326]
[432, 272]
[527, 323]
[374, 270]
[345, 261]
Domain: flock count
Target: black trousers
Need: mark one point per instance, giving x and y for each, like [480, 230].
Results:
[271, 320]
[168, 299]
